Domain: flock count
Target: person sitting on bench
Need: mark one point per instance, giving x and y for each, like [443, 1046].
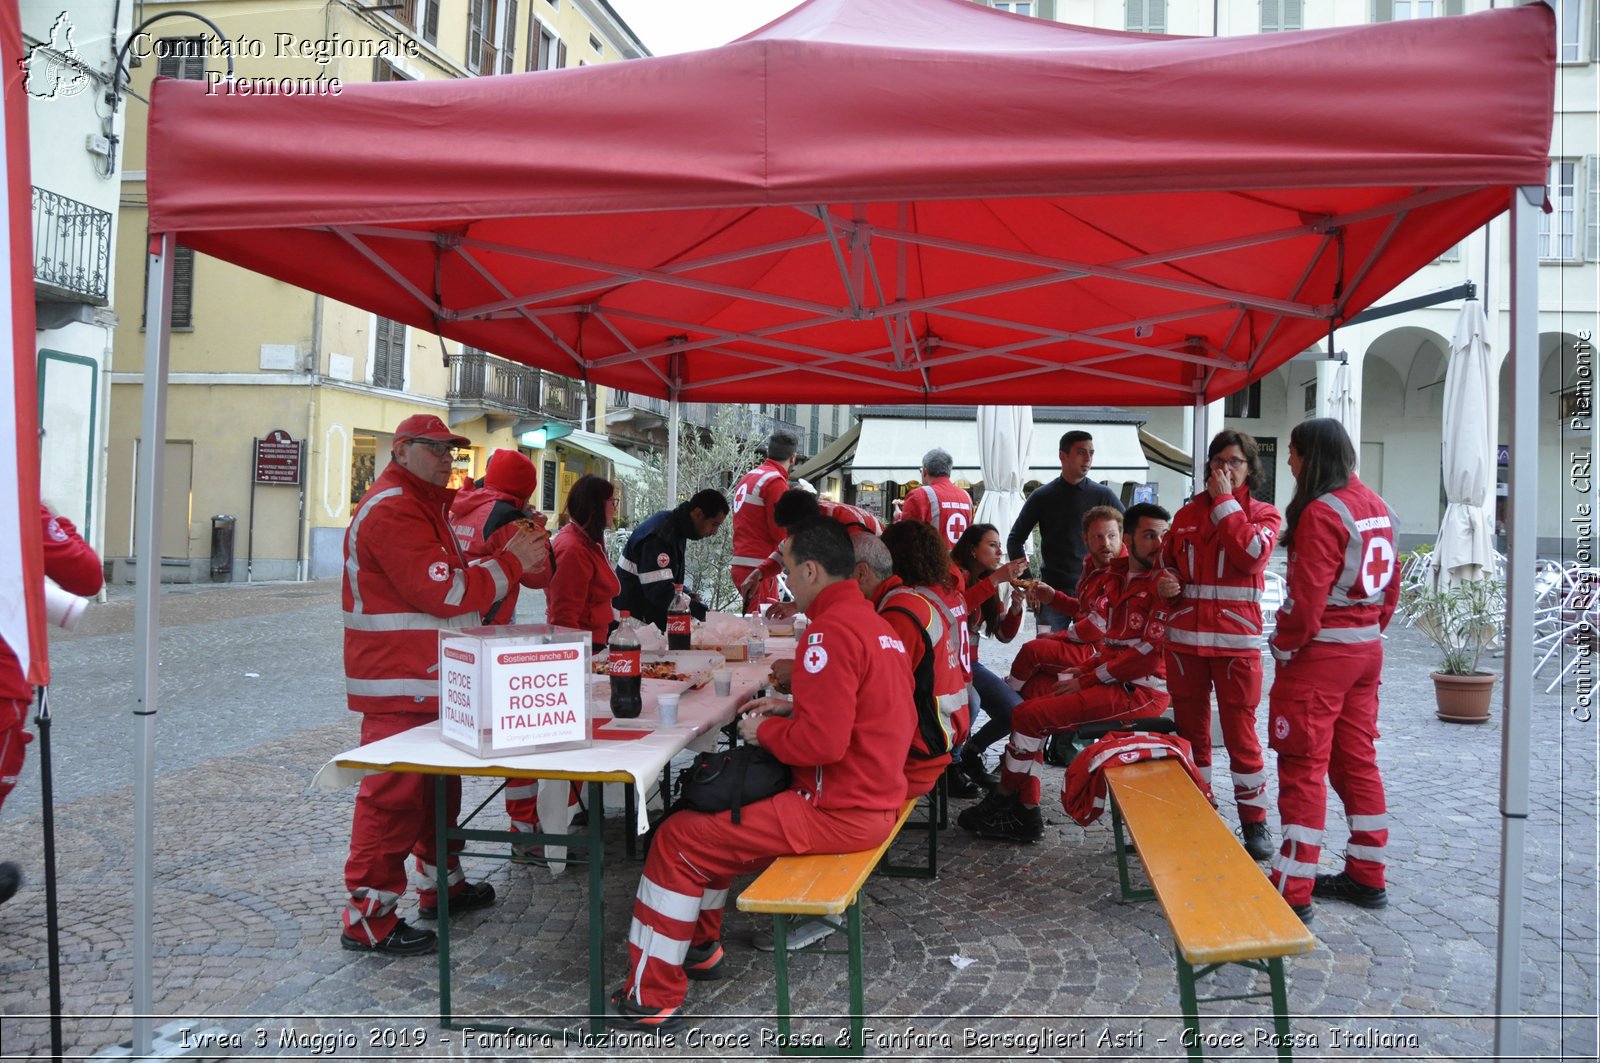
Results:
[1125, 679]
[846, 735]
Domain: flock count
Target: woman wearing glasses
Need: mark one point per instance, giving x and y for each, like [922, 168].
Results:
[581, 590]
[1216, 555]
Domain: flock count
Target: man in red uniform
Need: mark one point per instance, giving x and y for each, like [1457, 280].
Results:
[75, 568]
[1216, 556]
[798, 504]
[1038, 665]
[938, 501]
[756, 533]
[482, 517]
[846, 735]
[1124, 679]
[404, 579]
[1323, 720]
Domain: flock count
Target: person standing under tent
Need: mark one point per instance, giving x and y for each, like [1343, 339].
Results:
[1216, 555]
[74, 566]
[939, 501]
[581, 591]
[1323, 715]
[405, 579]
[756, 533]
[1057, 510]
[652, 559]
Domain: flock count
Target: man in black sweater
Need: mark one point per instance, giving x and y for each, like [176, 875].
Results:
[652, 558]
[1057, 509]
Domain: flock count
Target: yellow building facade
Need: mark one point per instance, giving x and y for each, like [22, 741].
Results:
[253, 359]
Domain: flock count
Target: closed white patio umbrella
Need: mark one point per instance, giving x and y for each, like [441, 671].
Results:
[1005, 439]
[1466, 535]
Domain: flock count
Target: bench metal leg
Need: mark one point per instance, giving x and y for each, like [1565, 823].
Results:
[1280, 1008]
[1188, 978]
[780, 957]
[858, 996]
[787, 1045]
[1129, 894]
[1191, 1007]
[936, 820]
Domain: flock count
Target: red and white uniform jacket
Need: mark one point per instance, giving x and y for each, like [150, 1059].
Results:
[853, 716]
[1133, 640]
[580, 593]
[1083, 792]
[74, 566]
[756, 536]
[1093, 586]
[405, 579]
[469, 513]
[940, 503]
[1343, 577]
[934, 629]
[850, 516]
[1219, 549]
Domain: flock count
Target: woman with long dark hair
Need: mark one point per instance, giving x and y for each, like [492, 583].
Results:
[1216, 558]
[581, 590]
[981, 568]
[1323, 722]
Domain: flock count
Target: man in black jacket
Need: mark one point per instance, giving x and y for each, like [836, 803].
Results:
[1057, 508]
[652, 560]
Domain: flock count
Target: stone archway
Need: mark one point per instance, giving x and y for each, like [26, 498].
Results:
[1402, 389]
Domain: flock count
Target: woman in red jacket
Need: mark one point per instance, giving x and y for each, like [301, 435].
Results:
[580, 592]
[981, 568]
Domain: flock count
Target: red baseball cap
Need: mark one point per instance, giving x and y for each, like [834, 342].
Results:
[428, 426]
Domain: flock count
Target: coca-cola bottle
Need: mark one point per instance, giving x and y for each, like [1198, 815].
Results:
[678, 619]
[622, 666]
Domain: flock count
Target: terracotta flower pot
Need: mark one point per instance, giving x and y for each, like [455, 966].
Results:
[1463, 698]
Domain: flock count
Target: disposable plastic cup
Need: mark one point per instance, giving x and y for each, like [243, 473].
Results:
[722, 682]
[668, 708]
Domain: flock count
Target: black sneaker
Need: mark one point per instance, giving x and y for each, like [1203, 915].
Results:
[1304, 912]
[704, 962]
[957, 784]
[972, 767]
[628, 1015]
[1342, 887]
[475, 895]
[403, 940]
[1003, 818]
[10, 881]
[1257, 841]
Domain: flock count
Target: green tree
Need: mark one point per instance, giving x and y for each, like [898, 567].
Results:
[715, 457]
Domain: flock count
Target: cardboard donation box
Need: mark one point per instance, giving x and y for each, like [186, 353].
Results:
[514, 689]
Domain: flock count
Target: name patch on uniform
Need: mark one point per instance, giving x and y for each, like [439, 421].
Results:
[438, 572]
[887, 642]
[1369, 523]
[815, 659]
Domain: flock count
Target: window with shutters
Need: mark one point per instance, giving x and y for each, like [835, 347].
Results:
[835, 419]
[405, 12]
[430, 23]
[183, 58]
[1400, 10]
[481, 36]
[816, 428]
[383, 69]
[1145, 16]
[1280, 15]
[541, 45]
[1246, 402]
[1591, 208]
[388, 354]
[508, 46]
[182, 289]
[561, 54]
[1558, 230]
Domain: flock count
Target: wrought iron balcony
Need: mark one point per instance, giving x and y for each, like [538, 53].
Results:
[71, 249]
[481, 379]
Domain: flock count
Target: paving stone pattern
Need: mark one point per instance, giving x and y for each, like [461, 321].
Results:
[249, 880]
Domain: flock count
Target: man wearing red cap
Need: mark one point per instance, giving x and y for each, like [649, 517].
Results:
[405, 578]
[482, 517]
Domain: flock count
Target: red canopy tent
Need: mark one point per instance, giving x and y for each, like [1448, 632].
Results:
[891, 200]
[884, 200]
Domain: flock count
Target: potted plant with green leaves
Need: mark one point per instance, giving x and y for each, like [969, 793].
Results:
[1462, 619]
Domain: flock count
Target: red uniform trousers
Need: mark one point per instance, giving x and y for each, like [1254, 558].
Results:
[692, 862]
[1033, 721]
[1237, 681]
[1037, 666]
[393, 820]
[14, 739]
[1323, 724]
[766, 591]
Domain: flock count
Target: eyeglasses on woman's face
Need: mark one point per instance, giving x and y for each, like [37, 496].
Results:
[1224, 463]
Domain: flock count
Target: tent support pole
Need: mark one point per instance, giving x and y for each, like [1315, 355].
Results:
[1516, 685]
[672, 448]
[1200, 438]
[147, 592]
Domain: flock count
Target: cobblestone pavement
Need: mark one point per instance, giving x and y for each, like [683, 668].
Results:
[249, 869]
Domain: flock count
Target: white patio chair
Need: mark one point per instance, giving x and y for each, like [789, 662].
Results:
[1272, 596]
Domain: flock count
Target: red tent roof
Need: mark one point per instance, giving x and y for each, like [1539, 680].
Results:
[885, 200]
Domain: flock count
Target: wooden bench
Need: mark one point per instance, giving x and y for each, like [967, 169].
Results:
[819, 888]
[1221, 907]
